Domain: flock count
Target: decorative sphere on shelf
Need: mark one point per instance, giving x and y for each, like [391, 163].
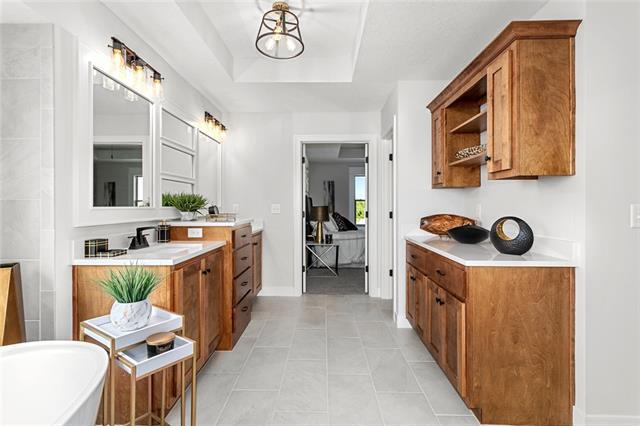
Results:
[504, 243]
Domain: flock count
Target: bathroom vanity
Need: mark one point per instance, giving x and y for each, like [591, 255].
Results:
[192, 285]
[500, 327]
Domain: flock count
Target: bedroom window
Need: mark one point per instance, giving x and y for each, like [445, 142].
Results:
[360, 202]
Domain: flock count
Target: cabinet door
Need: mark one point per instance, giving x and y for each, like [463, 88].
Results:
[411, 295]
[453, 360]
[422, 305]
[257, 264]
[188, 303]
[211, 292]
[437, 148]
[499, 112]
[436, 339]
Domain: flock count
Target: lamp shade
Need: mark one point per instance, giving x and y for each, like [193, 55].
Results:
[320, 213]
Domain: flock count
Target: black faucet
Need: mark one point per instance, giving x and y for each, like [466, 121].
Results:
[140, 240]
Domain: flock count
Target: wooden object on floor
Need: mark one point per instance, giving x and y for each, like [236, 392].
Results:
[502, 335]
[238, 254]
[525, 76]
[184, 289]
[12, 329]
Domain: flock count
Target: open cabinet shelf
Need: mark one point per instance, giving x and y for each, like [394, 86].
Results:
[475, 124]
[474, 160]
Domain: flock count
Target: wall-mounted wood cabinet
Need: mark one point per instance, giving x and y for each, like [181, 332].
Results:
[503, 336]
[521, 91]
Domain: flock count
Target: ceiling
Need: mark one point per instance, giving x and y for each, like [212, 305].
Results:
[356, 50]
[335, 153]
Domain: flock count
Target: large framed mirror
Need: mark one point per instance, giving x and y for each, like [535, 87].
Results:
[121, 146]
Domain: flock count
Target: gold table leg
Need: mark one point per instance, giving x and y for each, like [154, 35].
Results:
[112, 386]
[193, 386]
[164, 393]
[182, 366]
[132, 392]
[149, 381]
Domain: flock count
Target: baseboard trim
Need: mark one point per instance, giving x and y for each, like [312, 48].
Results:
[579, 417]
[402, 322]
[278, 292]
[596, 419]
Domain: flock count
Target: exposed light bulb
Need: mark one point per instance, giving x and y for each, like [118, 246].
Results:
[291, 45]
[139, 74]
[156, 86]
[270, 44]
[117, 59]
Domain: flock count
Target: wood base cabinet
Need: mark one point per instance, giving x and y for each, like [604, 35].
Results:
[503, 336]
[192, 288]
[256, 241]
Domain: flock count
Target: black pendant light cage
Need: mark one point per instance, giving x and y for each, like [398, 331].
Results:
[279, 34]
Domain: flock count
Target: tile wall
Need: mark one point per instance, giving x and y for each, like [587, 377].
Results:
[26, 168]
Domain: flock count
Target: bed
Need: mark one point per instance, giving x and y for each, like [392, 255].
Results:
[352, 248]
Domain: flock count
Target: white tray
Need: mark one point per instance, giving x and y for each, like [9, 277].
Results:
[144, 364]
[159, 322]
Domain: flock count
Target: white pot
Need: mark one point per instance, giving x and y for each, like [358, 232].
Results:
[188, 216]
[130, 316]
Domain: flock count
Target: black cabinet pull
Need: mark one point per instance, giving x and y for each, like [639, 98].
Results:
[244, 309]
[438, 173]
[244, 258]
[243, 236]
[439, 272]
[413, 256]
[204, 272]
[244, 283]
[487, 158]
[412, 278]
[208, 270]
[255, 244]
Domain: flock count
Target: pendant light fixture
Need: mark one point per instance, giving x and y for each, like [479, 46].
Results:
[279, 33]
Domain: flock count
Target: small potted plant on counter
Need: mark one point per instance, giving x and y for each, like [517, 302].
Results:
[189, 205]
[130, 287]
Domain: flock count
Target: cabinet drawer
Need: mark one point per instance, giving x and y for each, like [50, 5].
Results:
[241, 315]
[446, 275]
[242, 237]
[242, 285]
[416, 257]
[242, 259]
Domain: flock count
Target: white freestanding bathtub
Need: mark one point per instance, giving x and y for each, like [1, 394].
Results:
[51, 383]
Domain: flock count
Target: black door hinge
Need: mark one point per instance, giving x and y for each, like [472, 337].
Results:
[303, 214]
[366, 214]
[366, 268]
[390, 272]
[304, 268]
[304, 160]
[366, 159]
[390, 157]
[390, 215]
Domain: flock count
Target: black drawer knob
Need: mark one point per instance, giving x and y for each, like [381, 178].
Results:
[439, 272]
[244, 258]
[244, 283]
[244, 309]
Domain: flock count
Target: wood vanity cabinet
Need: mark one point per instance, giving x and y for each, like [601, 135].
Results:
[256, 241]
[188, 288]
[520, 89]
[503, 336]
[238, 275]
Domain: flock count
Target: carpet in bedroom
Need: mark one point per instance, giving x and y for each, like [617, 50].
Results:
[349, 281]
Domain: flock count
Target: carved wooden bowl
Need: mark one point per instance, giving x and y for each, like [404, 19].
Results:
[440, 224]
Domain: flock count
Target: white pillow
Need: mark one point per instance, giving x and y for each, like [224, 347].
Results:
[331, 226]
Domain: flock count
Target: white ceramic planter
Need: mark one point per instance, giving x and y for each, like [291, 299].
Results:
[188, 216]
[130, 316]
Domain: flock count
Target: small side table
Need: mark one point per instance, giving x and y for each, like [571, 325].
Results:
[128, 351]
[317, 257]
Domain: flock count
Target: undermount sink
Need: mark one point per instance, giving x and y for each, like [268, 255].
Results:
[51, 383]
[167, 249]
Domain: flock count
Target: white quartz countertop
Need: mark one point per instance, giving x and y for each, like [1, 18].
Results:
[203, 223]
[168, 254]
[484, 254]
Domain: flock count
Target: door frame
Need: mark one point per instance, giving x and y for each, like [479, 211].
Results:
[372, 203]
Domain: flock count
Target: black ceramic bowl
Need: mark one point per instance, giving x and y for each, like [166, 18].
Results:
[468, 234]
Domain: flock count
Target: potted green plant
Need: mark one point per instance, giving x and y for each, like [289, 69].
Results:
[130, 288]
[187, 204]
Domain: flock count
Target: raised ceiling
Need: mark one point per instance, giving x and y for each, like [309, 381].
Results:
[356, 50]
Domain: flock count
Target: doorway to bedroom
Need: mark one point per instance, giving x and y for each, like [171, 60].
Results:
[335, 193]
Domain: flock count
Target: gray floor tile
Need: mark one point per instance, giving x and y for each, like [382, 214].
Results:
[458, 420]
[314, 300]
[282, 418]
[442, 396]
[304, 387]
[390, 371]
[312, 318]
[375, 334]
[309, 344]
[367, 312]
[230, 361]
[406, 409]
[264, 369]
[277, 333]
[213, 391]
[341, 325]
[411, 346]
[352, 401]
[248, 408]
[346, 356]
[254, 328]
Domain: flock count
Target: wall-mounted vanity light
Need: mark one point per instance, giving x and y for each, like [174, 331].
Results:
[134, 71]
[214, 128]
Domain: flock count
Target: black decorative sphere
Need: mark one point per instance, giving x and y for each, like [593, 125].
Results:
[518, 245]
[468, 234]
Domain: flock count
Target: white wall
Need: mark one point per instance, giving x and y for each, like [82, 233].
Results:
[339, 174]
[258, 172]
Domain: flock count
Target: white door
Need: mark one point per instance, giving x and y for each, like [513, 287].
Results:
[366, 229]
[305, 189]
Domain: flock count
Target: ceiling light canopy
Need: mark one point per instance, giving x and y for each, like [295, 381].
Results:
[279, 33]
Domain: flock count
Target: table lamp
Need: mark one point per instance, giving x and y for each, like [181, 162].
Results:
[320, 214]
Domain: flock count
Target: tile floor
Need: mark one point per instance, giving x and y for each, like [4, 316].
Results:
[321, 360]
